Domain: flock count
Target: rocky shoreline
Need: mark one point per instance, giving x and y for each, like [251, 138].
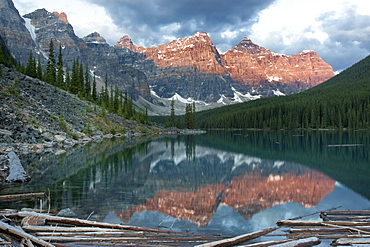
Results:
[36, 116]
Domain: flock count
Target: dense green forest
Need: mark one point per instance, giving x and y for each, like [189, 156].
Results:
[343, 102]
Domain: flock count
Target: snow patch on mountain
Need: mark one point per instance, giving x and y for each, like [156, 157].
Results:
[31, 28]
[189, 100]
[278, 93]
[239, 97]
[221, 100]
[153, 93]
[163, 108]
[274, 78]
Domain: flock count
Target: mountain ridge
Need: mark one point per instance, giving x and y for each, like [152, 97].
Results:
[339, 103]
[190, 67]
[246, 67]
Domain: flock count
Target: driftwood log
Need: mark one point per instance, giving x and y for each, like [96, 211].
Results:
[351, 241]
[20, 196]
[301, 242]
[320, 223]
[347, 212]
[20, 233]
[267, 243]
[238, 239]
[64, 231]
[78, 222]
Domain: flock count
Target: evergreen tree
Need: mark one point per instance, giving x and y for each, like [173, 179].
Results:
[172, 117]
[5, 57]
[193, 121]
[74, 87]
[94, 94]
[128, 110]
[39, 68]
[77, 79]
[111, 100]
[60, 71]
[104, 94]
[50, 75]
[188, 116]
[120, 108]
[31, 66]
[116, 101]
[68, 81]
[20, 68]
[87, 84]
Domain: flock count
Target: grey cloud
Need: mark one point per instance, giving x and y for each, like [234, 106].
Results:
[154, 22]
[147, 17]
[349, 37]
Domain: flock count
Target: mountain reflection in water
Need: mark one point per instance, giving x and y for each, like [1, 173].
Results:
[229, 182]
[246, 194]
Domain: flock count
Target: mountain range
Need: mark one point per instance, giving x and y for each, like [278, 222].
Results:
[341, 102]
[187, 69]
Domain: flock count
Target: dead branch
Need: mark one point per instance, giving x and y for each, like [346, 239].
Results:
[238, 239]
[20, 196]
[78, 222]
[20, 233]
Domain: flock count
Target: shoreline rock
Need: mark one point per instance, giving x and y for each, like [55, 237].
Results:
[16, 170]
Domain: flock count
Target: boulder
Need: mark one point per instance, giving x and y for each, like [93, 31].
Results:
[60, 152]
[60, 138]
[16, 170]
[67, 212]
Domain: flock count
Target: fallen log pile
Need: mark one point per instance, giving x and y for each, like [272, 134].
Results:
[344, 228]
[30, 228]
[40, 229]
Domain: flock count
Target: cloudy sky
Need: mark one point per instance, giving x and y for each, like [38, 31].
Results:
[338, 30]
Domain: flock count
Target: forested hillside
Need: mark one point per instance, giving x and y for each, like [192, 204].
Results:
[341, 102]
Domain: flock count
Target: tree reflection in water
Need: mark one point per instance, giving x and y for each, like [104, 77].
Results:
[194, 178]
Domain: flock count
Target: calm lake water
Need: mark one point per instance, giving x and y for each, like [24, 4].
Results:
[224, 182]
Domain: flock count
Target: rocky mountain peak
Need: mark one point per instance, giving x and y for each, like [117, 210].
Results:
[62, 16]
[126, 41]
[246, 42]
[95, 38]
[247, 46]
[194, 51]
[250, 64]
[201, 36]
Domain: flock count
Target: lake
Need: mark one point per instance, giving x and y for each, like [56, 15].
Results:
[224, 182]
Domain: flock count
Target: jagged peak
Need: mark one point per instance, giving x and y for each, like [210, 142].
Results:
[125, 38]
[246, 42]
[43, 13]
[307, 52]
[201, 35]
[62, 16]
[95, 37]
[125, 41]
